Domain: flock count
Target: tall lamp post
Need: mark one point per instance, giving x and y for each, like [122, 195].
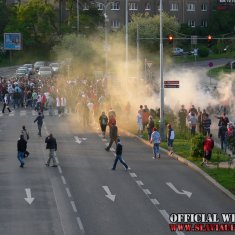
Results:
[106, 46]
[78, 15]
[162, 118]
[126, 37]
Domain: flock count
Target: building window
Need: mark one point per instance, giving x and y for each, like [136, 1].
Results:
[174, 7]
[133, 6]
[85, 7]
[204, 23]
[100, 6]
[115, 6]
[148, 6]
[190, 7]
[115, 24]
[204, 7]
[191, 23]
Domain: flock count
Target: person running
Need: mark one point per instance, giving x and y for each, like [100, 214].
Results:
[119, 149]
[52, 146]
[156, 140]
[103, 120]
[208, 145]
[21, 148]
[39, 120]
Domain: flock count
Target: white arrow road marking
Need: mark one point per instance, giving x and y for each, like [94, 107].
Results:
[84, 138]
[184, 192]
[28, 198]
[77, 140]
[109, 194]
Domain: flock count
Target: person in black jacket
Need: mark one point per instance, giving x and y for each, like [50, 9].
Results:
[39, 120]
[119, 156]
[52, 146]
[21, 148]
[113, 135]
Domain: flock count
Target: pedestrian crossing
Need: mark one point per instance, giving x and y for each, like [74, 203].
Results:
[23, 113]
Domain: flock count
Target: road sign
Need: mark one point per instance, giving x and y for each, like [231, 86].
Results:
[171, 86]
[210, 64]
[171, 82]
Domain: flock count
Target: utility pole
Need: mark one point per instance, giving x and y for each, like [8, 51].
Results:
[162, 116]
[78, 17]
[127, 12]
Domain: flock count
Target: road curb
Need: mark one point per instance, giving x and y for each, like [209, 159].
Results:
[192, 166]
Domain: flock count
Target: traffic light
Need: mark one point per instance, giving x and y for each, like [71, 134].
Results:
[170, 38]
[209, 38]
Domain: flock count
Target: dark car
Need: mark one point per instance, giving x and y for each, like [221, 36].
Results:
[230, 64]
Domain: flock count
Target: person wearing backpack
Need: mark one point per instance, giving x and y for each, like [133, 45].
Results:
[170, 138]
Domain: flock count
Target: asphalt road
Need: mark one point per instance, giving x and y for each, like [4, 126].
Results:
[78, 196]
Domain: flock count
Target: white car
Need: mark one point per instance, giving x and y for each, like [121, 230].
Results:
[30, 68]
[45, 71]
[55, 67]
[177, 51]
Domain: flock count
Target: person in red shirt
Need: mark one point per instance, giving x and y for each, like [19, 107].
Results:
[208, 145]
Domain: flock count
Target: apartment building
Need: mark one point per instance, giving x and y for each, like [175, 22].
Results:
[190, 12]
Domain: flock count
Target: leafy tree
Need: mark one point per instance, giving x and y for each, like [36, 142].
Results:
[221, 22]
[149, 29]
[36, 20]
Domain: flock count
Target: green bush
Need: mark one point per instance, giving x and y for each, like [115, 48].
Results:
[203, 52]
[197, 146]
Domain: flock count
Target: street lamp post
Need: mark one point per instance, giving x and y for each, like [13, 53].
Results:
[106, 46]
[78, 15]
[127, 11]
[162, 118]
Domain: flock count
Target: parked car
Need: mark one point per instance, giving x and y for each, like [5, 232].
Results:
[38, 64]
[177, 51]
[45, 71]
[30, 68]
[193, 52]
[230, 64]
[55, 67]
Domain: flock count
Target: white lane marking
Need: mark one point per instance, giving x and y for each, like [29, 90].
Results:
[77, 140]
[133, 175]
[59, 169]
[155, 201]
[112, 149]
[63, 179]
[68, 192]
[184, 192]
[109, 195]
[166, 217]
[56, 159]
[28, 198]
[74, 206]
[22, 113]
[11, 114]
[80, 224]
[104, 140]
[139, 182]
[146, 191]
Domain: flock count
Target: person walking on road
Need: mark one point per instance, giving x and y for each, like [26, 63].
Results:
[25, 134]
[52, 146]
[6, 103]
[208, 145]
[39, 120]
[103, 120]
[170, 138]
[156, 140]
[113, 136]
[119, 149]
[21, 148]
